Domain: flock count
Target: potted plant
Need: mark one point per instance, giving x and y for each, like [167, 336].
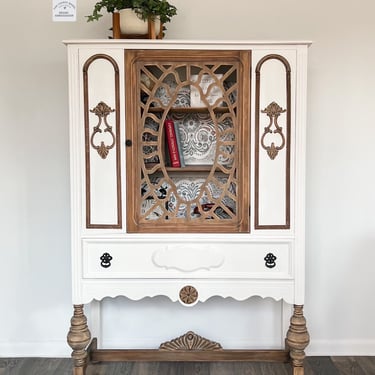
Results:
[144, 11]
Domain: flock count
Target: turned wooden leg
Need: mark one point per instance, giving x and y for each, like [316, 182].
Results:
[78, 338]
[297, 339]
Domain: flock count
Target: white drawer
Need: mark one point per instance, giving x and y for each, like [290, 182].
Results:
[145, 259]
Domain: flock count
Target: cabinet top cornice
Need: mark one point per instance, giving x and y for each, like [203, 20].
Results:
[178, 43]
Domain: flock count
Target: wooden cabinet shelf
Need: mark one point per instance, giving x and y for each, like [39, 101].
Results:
[191, 169]
[188, 110]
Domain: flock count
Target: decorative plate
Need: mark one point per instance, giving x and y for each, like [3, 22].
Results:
[188, 191]
[166, 91]
[198, 139]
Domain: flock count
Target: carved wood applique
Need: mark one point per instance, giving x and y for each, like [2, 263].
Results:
[102, 110]
[188, 294]
[273, 111]
[190, 341]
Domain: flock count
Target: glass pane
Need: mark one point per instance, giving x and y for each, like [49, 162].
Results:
[189, 142]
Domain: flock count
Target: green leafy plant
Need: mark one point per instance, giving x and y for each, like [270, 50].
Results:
[146, 9]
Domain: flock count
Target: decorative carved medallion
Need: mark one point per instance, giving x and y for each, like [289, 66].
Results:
[188, 294]
[273, 111]
[190, 341]
[102, 110]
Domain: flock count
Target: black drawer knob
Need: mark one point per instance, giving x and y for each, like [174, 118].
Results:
[106, 260]
[270, 260]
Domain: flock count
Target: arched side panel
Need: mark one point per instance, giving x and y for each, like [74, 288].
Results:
[102, 142]
[272, 143]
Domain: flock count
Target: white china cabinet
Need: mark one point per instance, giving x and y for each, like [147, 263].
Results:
[187, 180]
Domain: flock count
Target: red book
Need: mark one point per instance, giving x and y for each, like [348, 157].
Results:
[172, 143]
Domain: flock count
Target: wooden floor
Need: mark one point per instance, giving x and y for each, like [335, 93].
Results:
[314, 366]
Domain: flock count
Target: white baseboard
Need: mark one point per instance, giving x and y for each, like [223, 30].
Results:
[48, 349]
[341, 348]
[154, 344]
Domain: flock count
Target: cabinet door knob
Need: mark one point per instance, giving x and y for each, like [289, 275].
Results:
[128, 143]
[270, 260]
[106, 260]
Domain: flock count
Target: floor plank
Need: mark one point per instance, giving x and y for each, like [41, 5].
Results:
[252, 368]
[322, 365]
[355, 365]
[223, 368]
[313, 366]
[367, 364]
[36, 366]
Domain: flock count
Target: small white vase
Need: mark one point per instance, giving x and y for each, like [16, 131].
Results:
[131, 24]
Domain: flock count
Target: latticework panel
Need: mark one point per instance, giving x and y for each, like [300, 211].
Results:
[188, 141]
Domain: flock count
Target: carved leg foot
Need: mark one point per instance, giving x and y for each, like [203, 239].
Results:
[78, 338]
[297, 339]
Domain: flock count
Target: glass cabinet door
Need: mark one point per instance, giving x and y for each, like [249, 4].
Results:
[188, 139]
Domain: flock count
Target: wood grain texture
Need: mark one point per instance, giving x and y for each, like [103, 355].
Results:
[313, 366]
[78, 338]
[115, 355]
[36, 366]
[322, 365]
[297, 339]
[354, 365]
[231, 130]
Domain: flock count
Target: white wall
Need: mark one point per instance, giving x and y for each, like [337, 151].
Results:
[35, 305]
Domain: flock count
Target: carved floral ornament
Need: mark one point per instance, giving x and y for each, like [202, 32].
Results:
[190, 341]
[273, 111]
[102, 110]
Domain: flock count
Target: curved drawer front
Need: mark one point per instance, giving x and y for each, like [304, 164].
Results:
[128, 259]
